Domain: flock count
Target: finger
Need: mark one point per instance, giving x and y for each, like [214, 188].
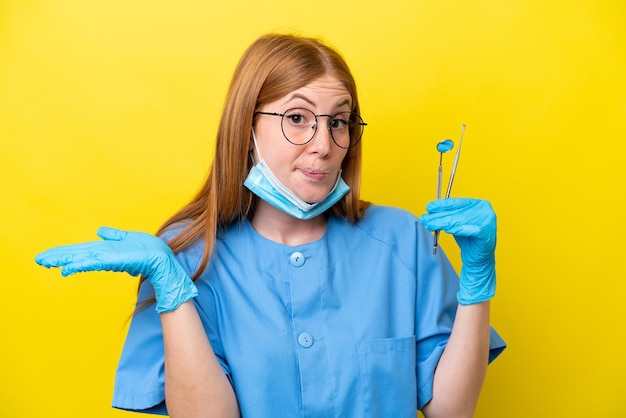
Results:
[63, 255]
[454, 225]
[111, 234]
[462, 230]
[46, 259]
[99, 259]
[85, 265]
[452, 203]
[56, 257]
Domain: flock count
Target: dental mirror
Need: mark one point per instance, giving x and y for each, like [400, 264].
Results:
[443, 147]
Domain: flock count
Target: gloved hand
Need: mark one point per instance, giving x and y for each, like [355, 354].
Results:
[136, 253]
[473, 224]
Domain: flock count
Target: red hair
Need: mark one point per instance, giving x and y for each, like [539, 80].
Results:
[272, 67]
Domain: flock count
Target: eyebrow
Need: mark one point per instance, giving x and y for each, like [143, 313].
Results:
[306, 99]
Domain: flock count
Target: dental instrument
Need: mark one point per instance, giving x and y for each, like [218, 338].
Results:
[442, 147]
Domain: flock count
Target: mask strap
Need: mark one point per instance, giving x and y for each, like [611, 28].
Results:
[256, 147]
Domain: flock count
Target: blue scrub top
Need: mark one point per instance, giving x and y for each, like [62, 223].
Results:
[351, 325]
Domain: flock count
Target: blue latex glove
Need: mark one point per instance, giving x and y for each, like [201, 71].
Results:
[136, 253]
[473, 224]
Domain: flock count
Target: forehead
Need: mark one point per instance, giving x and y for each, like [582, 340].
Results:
[325, 90]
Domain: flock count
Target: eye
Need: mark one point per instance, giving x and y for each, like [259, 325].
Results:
[339, 122]
[299, 117]
[296, 119]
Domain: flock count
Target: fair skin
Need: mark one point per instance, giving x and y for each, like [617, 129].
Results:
[309, 170]
[194, 381]
[463, 365]
[195, 384]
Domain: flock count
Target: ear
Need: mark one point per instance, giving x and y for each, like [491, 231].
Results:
[252, 140]
[251, 148]
[250, 144]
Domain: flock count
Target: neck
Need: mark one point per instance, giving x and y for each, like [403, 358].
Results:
[277, 226]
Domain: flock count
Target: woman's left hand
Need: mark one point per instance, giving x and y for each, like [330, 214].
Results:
[473, 224]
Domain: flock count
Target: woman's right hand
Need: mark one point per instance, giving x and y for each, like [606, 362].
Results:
[135, 253]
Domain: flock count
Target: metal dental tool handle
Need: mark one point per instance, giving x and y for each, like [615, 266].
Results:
[452, 174]
[456, 163]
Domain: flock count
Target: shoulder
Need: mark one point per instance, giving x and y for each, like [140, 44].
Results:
[387, 235]
[384, 220]
[172, 230]
[191, 255]
[390, 213]
[177, 229]
[392, 227]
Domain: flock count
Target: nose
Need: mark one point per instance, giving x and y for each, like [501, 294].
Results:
[322, 141]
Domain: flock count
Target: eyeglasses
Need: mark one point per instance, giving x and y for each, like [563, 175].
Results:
[300, 125]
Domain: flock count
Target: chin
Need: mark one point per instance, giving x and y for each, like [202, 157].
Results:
[312, 201]
[314, 197]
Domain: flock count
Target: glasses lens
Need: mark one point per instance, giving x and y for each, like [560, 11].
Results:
[298, 126]
[347, 129]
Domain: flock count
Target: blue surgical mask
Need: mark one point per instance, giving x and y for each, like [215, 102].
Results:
[262, 182]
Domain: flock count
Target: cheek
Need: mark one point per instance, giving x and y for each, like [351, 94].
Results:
[269, 144]
[281, 157]
[343, 158]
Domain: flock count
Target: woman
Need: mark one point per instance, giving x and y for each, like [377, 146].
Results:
[290, 296]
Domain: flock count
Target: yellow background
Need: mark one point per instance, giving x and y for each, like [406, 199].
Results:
[108, 111]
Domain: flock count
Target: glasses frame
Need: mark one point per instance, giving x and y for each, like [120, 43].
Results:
[332, 117]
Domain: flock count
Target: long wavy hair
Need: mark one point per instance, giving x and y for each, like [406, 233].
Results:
[272, 67]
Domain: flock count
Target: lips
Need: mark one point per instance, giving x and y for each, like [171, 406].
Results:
[314, 174]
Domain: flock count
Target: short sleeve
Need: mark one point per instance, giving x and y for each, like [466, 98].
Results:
[436, 306]
[140, 378]
[139, 382]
